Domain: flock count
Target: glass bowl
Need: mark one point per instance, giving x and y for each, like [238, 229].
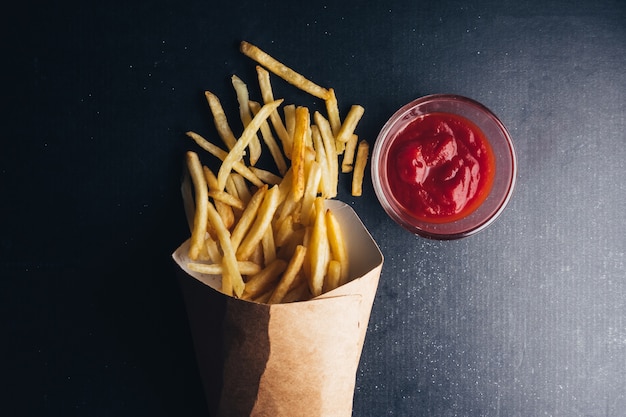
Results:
[504, 160]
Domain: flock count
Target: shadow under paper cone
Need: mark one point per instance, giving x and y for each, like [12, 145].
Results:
[295, 359]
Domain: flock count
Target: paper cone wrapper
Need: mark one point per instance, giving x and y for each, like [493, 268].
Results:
[295, 359]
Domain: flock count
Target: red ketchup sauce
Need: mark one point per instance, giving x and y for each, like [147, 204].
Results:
[441, 167]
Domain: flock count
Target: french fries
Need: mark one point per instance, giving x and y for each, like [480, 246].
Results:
[247, 136]
[200, 220]
[283, 71]
[362, 153]
[268, 234]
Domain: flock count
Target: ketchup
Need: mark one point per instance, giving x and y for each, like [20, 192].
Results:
[441, 167]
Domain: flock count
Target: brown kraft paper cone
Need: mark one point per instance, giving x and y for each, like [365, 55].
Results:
[296, 359]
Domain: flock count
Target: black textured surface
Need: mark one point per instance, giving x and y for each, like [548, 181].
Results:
[527, 318]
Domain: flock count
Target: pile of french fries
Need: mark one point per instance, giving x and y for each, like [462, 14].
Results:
[268, 234]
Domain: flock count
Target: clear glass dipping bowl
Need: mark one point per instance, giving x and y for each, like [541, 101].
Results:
[505, 161]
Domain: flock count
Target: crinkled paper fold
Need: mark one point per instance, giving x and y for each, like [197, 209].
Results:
[296, 359]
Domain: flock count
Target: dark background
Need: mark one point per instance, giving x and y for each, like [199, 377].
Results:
[527, 318]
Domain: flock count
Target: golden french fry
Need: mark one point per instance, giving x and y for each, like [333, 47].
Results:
[298, 152]
[289, 207]
[245, 268]
[203, 256]
[349, 124]
[333, 278]
[201, 191]
[210, 177]
[348, 154]
[310, 192]
[212, 250]
[220, 120]
[230, 187]
[284, 231]
[257, 253]
[241, 90]
[332, 110]
[338, 248]
[226, 198]
[318, 250]
[326, 183]
[225, 210]
[243, 192]
[248, 134]
[340, 147]
[359, 168]
[247, 217]
[308, 142]
[260, 283]
[268, 245]
[283, 71]
[232, 281]
[285, 185]
[266, 176]
[289, 276]
[222, 154]
[268, 96]
[331, 153]
[243, 98]
[261, 223]
[271, 143]
[290, 125]
[286, 201]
